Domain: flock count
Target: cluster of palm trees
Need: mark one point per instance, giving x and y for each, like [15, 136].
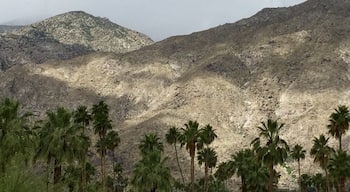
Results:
[61, 140]
[59, 149]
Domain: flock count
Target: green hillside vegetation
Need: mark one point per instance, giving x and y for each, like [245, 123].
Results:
[56, 153]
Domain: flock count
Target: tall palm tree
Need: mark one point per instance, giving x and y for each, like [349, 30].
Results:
[101, 125]
[113, 141]
[151, 174]
[242, 162]
[274, 151]
[322, 152]
[172, 138]
[82, 117]
[297, 154]
[58, 140]
[15, 135]
[101, 121]
[339, 167]
[189, 137]
[339, 123]
[209, 158]
[151, 142]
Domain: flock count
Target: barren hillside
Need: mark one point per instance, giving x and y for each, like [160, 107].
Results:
[287, 63]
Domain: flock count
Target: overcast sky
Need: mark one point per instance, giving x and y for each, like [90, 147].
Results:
[158, 19]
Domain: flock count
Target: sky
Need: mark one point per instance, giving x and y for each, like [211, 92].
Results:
[158, 19]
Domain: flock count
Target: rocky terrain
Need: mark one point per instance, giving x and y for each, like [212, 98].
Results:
[96, 33]
[287, 63]
[65, 36]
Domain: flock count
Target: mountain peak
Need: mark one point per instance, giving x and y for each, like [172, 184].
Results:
[99, 34]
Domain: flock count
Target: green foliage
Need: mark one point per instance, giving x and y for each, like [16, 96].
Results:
[321, 151]
[21, 177]
[151, 173]
[274, 150]
[305, 182]
[339, 122]
[15, 134]
[172, 137]
[151, 142]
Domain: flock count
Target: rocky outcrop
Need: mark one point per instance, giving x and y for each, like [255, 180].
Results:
[96, 33]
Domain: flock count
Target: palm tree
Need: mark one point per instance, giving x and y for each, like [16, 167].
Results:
[274, 151]
[82, 117]
[209, 157]
[225, 171]
[101, 125]
[305, 182]
[58, 140]
[297, 154]
[319, 181]
[151, 174]
[207, 135]
[189, 137]
[15, 135]
[172, 138]
[339, 123]
[151, 142]
[321, 152]
[339, 167]
[113, 141]
[242, 162]
[101, 121]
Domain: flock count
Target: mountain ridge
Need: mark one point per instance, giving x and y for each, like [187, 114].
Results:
[99, 34]
[291, 64]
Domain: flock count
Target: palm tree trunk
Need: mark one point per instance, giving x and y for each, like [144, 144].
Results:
[270, 184]
[340, 143]
[244, 185]
[178, 164]
[114, 174]
[327, 180]
[192, 153]
[299, 181]
[103, 169]
[83, 176]
[206, 170]
[57, 172]
[342, 184]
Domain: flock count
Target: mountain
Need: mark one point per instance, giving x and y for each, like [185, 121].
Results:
[66, 36]
[98, 34]
[287, 63]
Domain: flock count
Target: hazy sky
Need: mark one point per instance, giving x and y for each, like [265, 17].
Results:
[158, 19]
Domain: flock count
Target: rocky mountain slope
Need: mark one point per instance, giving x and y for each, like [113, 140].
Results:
[287, 63]
[66, 36]
[97, 33]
